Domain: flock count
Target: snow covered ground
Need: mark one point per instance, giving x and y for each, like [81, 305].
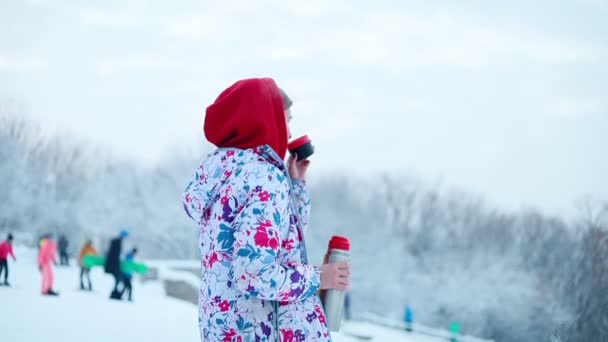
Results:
[78, 316]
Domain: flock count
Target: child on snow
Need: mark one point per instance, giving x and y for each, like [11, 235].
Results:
[127, 276]
[87, 249]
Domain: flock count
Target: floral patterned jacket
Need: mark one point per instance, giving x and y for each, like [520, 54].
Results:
[257, 284]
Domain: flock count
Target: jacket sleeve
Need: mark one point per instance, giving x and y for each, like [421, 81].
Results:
[193, 202]
[257, 239]
[302, 202]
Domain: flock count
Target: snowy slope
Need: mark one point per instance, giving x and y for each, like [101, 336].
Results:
[78, 316]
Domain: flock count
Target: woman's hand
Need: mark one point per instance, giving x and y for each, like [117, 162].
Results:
[297, 168]
[335, 276]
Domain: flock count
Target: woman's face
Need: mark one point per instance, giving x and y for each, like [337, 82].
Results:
[288, 120]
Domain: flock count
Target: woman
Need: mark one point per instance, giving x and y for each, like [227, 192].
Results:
[47, 256]
[252, 212]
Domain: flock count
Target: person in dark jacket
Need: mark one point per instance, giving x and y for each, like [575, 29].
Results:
[62, 245]
[112, 265]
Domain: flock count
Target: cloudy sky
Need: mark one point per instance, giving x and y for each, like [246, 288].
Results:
[508, 99]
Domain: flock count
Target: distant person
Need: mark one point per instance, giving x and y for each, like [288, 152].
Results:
[86, 250]
[112, 265]
[47, 256]
[63, 251]
[409, 319]
[127, 275]
[6, 249]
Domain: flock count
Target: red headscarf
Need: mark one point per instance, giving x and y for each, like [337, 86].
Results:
[248, 114]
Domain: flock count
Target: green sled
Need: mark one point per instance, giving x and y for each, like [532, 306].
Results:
[91, 261]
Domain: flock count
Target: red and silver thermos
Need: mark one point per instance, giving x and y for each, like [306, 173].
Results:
[333, 301]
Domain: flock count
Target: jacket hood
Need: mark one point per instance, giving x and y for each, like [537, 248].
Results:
[248, 114]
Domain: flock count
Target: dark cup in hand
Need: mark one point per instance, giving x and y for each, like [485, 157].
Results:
[301, 147]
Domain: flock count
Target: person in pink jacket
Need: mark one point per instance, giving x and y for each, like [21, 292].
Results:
[6, 249]
[46, 257]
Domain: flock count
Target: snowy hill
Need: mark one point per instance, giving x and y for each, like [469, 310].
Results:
[77, 316]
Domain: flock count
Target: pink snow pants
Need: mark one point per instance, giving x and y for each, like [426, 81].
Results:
[47, 278]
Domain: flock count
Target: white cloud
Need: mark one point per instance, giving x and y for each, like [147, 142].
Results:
[398, 40]
[37, 3]
[549, 100]
[194, 27]
[309, 8]
[603, 4]
[24, 64]
[214, 21]
[110, 18]
[244, 7]
[576, 108]
[135, 63]
[342, 45]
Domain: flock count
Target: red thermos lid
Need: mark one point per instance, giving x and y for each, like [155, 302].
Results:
[339, 242]
[298, 142]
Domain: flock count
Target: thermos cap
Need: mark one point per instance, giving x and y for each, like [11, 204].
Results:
[298, 142]
[339, 242]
